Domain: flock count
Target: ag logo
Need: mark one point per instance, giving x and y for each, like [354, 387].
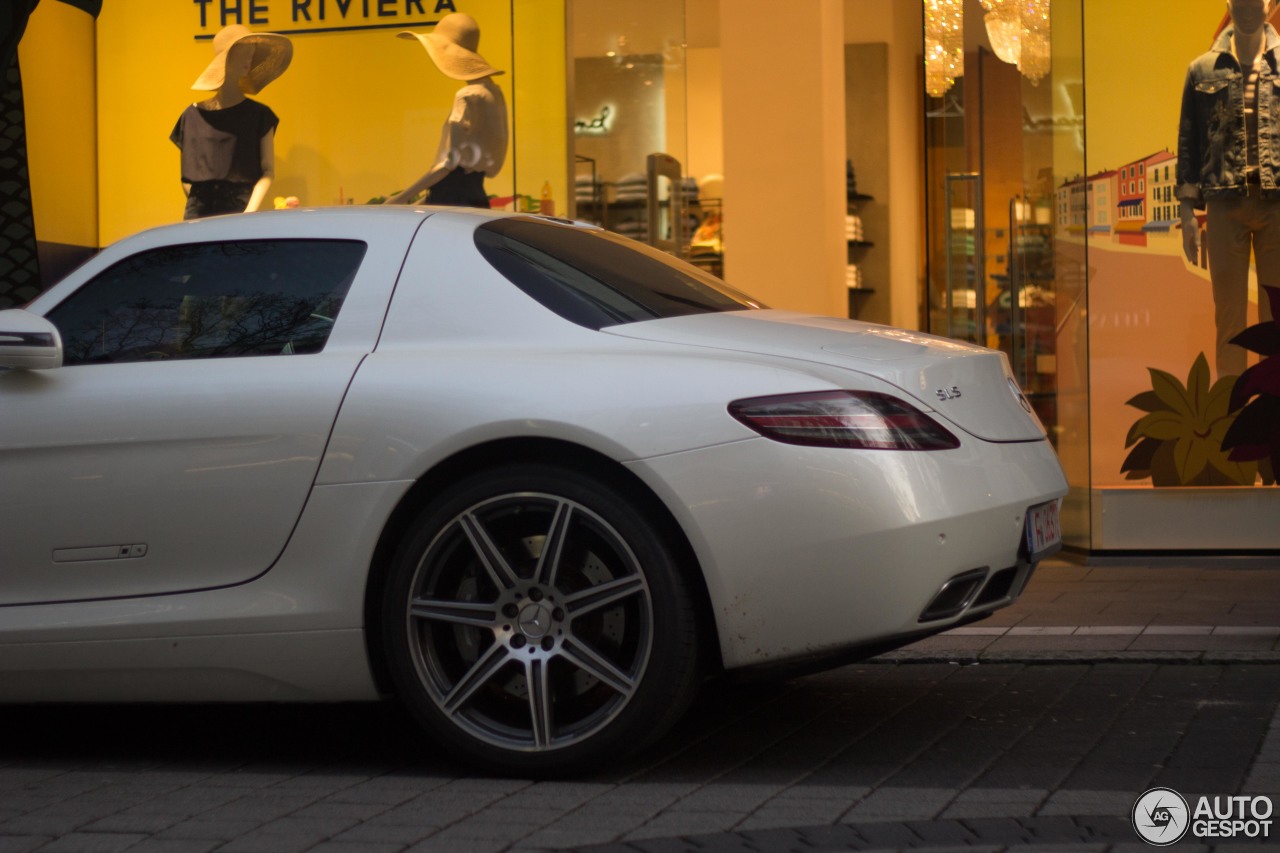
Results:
[1160, 817]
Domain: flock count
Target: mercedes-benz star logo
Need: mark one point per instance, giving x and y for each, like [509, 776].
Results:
[1018, 395]
[1160, 817]
[535, 620]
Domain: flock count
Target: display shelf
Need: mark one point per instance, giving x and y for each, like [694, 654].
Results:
[856, 248]
[855, 304]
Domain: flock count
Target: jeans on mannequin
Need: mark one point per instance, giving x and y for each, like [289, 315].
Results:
[1236, 224]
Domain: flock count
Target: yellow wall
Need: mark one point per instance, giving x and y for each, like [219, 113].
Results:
[899, 24]
[784, 154]
[360, 111]
[57, 61]
[540, 134]
[1137, 56]
[706, 114]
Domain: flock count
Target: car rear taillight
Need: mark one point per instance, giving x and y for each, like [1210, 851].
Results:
[862, 419]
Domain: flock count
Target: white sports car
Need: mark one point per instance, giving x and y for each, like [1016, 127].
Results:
[531, 478]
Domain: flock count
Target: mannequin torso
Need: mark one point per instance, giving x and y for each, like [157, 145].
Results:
[1248, 24]
[1228, 167]
[473, 138]
[212, 134]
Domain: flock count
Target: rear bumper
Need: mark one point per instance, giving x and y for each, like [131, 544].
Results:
[990, 596]
[815, 554]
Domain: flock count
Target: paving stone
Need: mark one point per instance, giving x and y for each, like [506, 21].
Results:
[326, 810]
[900, 804]
[374, 793]
[449, 845]
[170, 845]
[22, 843]
[257, 843]
[375, 833]
[686, 823]
[54, 825]
[488, 787]
[961, 811]
[714, 798]
[795, 813]
[619, 821]
[561, 839]
[807, 792]
[943, 832]
[501, 814]
[643, 797]
[92, 842]
[464, 835]
[887, 834]
[147, 824]
[201, 828]
[188, 801]
[1071, 802]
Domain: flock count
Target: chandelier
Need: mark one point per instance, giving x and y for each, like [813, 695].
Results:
[1036, 47]
[1019, 34]
[1004, 28]
[943, 44]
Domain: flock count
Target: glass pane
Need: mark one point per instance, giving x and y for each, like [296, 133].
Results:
[631, 168]
[1071, 271]
[361, 110]
[210, 300]
[1183, 447]
[596, 279]
[1001, 138]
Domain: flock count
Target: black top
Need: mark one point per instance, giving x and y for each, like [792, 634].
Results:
[223, 145]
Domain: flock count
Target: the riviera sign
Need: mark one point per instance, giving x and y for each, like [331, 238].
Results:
[1162, 816]
[308, 15]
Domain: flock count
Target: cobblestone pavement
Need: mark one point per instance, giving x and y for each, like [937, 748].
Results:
[874, 756]
[1037, 734]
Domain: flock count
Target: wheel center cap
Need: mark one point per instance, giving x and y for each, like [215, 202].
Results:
[535, 620]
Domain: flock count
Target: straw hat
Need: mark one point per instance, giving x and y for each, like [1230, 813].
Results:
[452, 47]
[271, 55]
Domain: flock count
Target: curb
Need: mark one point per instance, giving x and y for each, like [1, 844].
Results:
[970, 657]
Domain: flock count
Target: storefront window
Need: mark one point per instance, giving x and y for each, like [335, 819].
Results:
[1139, 333]
[360, 106]
[1180, 457]
[1003, 132]
[633, 171]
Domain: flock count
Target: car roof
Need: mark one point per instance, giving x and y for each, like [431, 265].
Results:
[215, 227]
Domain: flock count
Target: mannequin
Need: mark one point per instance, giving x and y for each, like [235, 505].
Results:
[473, 141]
[228, 141]
[1229, 102]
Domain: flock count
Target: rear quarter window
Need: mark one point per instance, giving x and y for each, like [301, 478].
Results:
[598, 279]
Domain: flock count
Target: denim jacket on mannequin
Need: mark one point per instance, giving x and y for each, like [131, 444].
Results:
[1212, 148]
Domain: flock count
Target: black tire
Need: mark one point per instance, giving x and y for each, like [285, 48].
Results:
[539, 575]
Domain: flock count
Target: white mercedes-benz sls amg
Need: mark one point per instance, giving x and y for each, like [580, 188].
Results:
[532, 479]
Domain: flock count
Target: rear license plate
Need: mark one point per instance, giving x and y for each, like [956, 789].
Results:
[1043, 530]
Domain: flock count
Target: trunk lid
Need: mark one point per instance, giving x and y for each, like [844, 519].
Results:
[969, 386]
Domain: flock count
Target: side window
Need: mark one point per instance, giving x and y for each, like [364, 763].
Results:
[210, 300]
[598, 279]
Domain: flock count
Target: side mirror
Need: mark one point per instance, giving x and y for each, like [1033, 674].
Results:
[28, 341]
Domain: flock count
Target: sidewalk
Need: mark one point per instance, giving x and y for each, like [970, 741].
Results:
[1197, 610]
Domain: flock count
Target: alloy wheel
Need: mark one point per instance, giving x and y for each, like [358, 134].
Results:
[530, 622]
